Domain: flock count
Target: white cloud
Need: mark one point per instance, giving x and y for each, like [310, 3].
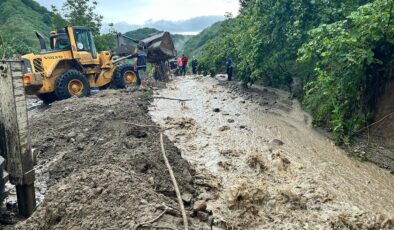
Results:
[139, 11]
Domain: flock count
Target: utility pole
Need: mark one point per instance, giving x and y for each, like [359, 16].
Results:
[14, 135]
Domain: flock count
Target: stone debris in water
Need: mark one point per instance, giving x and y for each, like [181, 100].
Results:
[224, 128]
[276, 142]
[200, 205]
[187, 198]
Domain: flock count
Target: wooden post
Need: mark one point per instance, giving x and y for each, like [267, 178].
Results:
[14, 135]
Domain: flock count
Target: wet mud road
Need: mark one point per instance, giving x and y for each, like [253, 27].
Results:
[260, 164]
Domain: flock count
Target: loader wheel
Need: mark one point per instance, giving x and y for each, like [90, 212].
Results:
[124, 76]
[47, 98]
[72, 83]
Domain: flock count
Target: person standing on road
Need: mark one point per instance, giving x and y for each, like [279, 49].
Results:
[229, 68]
[179, 70]
[140, 66]
[194, 65]
[185, 60]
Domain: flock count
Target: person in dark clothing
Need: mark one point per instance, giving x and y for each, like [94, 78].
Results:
[185, 60]
[140, 66]
[229, 68]
[194, 65]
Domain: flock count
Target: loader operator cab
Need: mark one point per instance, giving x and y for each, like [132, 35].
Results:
[83, 39]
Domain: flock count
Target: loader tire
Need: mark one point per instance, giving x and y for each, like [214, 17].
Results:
[72, 83]
[47, 98]
[125, 76]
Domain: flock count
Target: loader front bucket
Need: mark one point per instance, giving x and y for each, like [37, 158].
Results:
[160, 47]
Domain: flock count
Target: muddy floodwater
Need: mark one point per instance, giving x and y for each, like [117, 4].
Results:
[262, 165]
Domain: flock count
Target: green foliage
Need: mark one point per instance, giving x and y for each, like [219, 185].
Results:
[264, 40]
[351, 64]
[341, 50]
[195, 44]
[19, 19]
[57, 19]
[80, 13]
[142, 33]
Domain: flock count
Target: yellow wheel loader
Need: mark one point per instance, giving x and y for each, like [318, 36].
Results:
[73, 66]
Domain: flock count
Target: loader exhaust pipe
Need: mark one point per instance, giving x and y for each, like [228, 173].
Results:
[42, 42]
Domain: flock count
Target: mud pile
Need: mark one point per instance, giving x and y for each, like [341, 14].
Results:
[99, 169]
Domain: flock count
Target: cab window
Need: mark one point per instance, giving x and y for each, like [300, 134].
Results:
[82, 40]
[85, 41]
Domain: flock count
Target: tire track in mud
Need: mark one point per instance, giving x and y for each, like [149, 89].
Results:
[260, 164]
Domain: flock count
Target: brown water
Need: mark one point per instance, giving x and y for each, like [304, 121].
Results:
[307, 182]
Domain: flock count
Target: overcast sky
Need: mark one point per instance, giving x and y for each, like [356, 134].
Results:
[140, 11]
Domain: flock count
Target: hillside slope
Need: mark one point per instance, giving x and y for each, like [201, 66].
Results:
[196, 43]
[19, 19]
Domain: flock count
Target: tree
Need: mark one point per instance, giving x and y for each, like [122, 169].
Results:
[353, 62]
[57, 20]
[78, 13]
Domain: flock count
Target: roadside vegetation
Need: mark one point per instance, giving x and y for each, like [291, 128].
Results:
[340, 51]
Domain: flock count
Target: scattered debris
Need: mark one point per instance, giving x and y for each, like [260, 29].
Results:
[224, 128]
[276, 142]
[199, 205]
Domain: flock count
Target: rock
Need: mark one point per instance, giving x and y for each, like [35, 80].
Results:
[81, 137]
[11, 205]
[242, 126]
[144, 202]
[110, 112]
[200, 205]
[137, 133]
[101, 141]
[187, 198]
[71, 135]
[230, 120]
[98, 191]
[243, 102]
[204, 196]
[237, 114]
[276, 142]
[203, 216]
[224, 128]
[216, 110]
[80, 147]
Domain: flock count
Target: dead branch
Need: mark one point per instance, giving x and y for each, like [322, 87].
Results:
[178, 194]
[369, 126]
[172, 99]
[153, 220]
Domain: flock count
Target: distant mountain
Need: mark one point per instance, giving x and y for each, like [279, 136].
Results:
[18, 21]
[195, 25]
